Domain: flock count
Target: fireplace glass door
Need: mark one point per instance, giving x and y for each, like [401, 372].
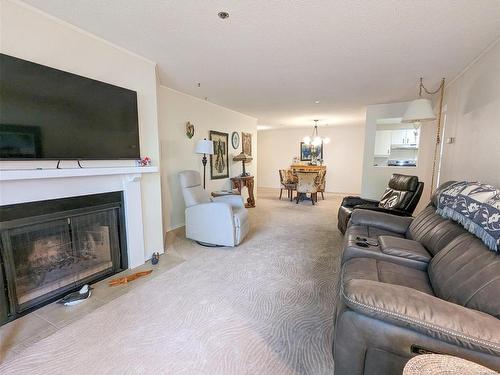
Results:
[57, 255]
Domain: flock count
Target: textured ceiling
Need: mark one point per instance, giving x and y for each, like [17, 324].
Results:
[274, 59]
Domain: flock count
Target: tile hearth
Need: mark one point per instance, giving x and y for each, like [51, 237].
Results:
[25, 331]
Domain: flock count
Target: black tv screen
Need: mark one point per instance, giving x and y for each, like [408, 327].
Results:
[47, 113]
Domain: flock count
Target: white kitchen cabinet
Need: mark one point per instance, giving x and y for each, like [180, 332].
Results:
[383, 139]
[398, 136]
[412, 136]
[405, 136]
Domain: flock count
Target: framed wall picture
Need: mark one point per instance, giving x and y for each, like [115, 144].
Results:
[307, 150]
[219, 161]
[235, 140]
[246, 141]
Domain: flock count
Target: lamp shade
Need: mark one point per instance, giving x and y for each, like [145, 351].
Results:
[242, 157]
[204, 146]
[419, 110]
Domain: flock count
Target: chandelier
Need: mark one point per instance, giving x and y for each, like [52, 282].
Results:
[315, 140]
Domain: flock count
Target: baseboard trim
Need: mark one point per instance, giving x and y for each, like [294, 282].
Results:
[174, 227]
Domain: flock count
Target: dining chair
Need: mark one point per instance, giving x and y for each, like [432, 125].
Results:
[307, 185]
[321, 182]
[287, 183]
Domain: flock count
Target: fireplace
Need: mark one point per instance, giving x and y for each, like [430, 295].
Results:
[50, 248]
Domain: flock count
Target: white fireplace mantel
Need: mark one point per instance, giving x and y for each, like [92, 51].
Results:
[36, 174]
[31, 185]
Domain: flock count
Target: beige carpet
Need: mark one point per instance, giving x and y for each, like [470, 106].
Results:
[265, 307]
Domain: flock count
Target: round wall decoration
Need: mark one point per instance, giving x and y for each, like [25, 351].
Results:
[235, 140]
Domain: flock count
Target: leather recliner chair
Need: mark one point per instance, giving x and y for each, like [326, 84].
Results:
[400, 198]
[218, 221]
[411, 286]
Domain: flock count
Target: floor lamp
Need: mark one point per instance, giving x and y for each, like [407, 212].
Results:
[420, 110]
[205, 147]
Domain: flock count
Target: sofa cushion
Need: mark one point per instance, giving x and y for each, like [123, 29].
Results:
[404, 248]
[401, 192]
[432, 230]
[412, 255]
[422, 312]
[370, 231]
[466, 272]
[195, 195]
[387, 273]
[395, 199]
[403, 182]
[380, 220]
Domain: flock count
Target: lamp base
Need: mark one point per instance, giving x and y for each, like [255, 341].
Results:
[204, 162]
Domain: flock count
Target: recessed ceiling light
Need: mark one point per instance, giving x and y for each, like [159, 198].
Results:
[317, 102]
[223, 15]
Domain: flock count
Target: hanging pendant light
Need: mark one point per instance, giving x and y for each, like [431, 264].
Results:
[420, 110]
[315, 139]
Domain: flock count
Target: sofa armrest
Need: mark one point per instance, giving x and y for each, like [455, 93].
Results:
[235, 201]
[424, 313]
[382, 209]
[352, 201]
[381, 220]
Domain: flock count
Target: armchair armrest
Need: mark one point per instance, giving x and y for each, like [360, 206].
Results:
[381, 220]
[211, 222]
[382, 209]
[235, 201]
[424, 313]
[352, 201]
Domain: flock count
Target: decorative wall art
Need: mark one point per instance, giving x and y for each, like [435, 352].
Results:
[235, 140]
[310, 152]
[219, 161]
[246, 141]
[189, 130]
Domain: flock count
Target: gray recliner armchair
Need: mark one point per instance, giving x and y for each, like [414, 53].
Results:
[219, 221]
[400, 198]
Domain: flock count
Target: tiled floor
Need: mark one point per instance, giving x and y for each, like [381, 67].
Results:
[23, 332]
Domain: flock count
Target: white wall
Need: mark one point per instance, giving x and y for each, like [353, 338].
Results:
[375, 178]
[29, 34]
[177, 150]
[342, 156]
[473, 118]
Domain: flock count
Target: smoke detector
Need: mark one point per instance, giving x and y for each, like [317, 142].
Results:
[223, 15]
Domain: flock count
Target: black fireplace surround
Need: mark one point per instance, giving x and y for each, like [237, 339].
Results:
[53, 247]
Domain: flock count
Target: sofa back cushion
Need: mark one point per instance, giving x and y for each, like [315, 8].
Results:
[432, 230]
[395, 199]
[435, 196]
[403, 182]
[400, 192]
[192, 191]
[466, 272]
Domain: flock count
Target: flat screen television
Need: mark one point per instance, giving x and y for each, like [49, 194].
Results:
[47, 113]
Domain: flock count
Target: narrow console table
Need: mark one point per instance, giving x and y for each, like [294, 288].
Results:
[239, 183]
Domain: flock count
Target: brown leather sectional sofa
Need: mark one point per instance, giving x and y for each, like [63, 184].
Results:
[414, 285]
